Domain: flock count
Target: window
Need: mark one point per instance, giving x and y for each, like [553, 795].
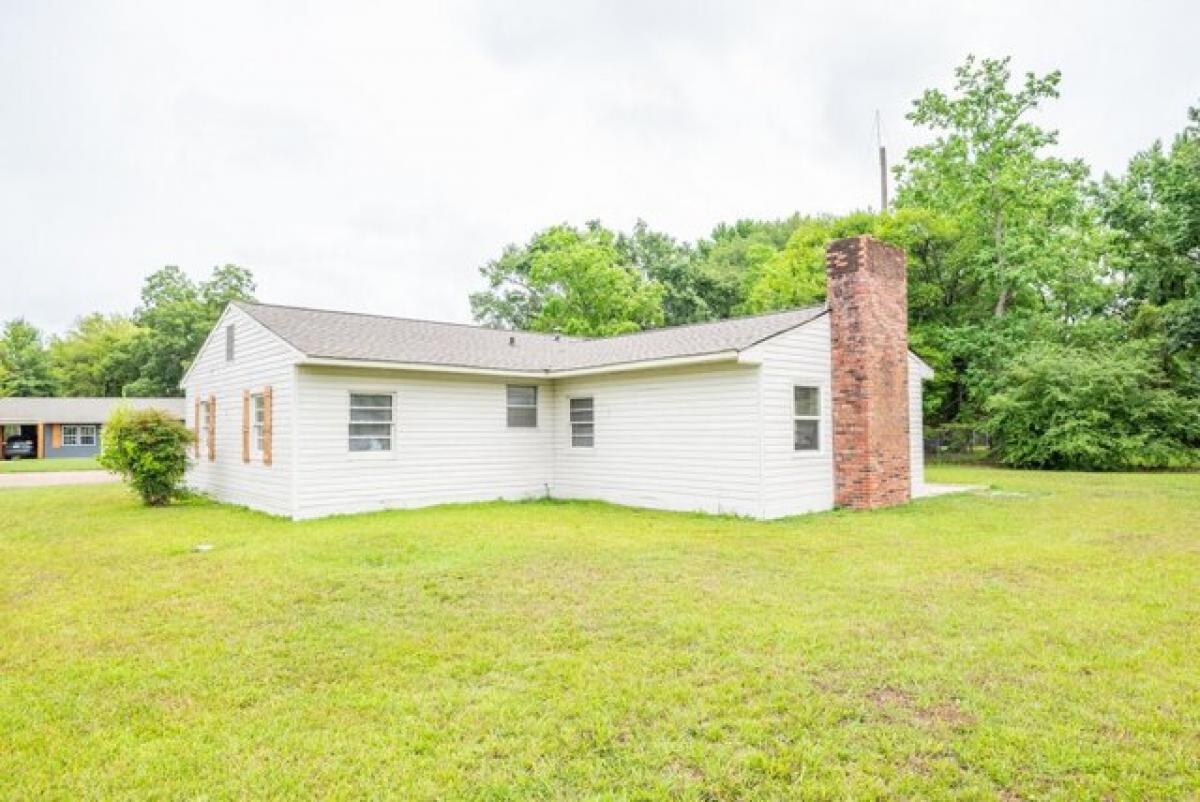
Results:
[78, 435]
[583, 422]
[806, 411]
[258, 419]
[371, 422]
[522, 406]
[229, 343]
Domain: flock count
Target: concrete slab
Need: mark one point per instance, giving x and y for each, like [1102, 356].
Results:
[50, 479]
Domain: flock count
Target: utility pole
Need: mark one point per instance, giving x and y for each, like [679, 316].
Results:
[883, 193]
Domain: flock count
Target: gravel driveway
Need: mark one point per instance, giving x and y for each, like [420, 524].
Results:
[59, 478]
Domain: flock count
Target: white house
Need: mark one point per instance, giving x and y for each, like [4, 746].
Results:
[305, 413]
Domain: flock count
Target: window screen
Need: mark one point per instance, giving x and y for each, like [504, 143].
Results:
[371, 422]
[583, 423]
[522, 406]
[806, 413]
[229, 343]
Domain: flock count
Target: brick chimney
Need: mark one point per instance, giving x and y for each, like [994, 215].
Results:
[868, 322]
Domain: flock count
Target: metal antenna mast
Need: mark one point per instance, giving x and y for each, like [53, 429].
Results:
[883, 188]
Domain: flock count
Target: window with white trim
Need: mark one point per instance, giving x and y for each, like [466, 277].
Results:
[806, 414]
[371, 422]
[74, 435]
[521, 403]
[583, 422]
[258, 419]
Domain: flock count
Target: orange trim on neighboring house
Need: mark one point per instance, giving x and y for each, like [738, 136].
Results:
[56, 434]
[41, 441]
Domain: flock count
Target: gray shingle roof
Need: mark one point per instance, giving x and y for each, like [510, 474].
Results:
[77, 410]
[346, 335]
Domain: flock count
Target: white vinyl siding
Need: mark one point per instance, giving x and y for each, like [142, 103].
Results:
[262, 360]
[681, 439]
[450, 444]
[917, 372]
[794, 482]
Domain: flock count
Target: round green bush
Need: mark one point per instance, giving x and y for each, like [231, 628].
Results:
[149, 449]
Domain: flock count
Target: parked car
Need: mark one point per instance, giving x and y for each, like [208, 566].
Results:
[19, 446]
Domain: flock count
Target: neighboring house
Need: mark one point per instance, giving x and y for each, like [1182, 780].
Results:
[306, 413]
[69, 427]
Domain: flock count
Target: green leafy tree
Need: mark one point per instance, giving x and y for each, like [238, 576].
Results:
[98, 357]
[1021, 212]
[661, 259]
[571, 281]
[24, 361]
[176, 315]
[148, 448]
[730, 260]
[1064, 407]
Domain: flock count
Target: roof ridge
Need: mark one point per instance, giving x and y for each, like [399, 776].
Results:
[548, 335]
[556, 337]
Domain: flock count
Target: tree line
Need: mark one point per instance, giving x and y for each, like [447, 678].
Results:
[140, 355]
[1061, 312]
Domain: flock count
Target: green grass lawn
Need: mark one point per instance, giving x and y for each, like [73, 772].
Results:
[1043, 642]
[49, 465]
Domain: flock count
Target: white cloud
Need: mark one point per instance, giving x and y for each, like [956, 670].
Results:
[372, 156]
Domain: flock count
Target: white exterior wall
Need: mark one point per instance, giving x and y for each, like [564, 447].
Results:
[260, 358]
[917, 373]
[795, 482]
[681, 439]
[451, 443]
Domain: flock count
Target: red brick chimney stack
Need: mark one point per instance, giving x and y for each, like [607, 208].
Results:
[868, 321]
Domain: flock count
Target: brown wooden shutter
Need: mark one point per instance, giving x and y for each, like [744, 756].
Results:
[245, 425]
[268, 425]
[196, 427]
[56, 434]
[212, 427]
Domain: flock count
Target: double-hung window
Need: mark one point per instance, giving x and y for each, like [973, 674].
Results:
[521, 403]
[583, 422]
[258, 419]
[73, 435]
[806, 414]
[371, 421]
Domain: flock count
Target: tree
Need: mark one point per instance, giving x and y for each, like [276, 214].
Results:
[1064, 407]
[1020, 212]
[177, 314]
[24, 361]
[98, 357]
[149, 449]
[661, 259]
[571, 281]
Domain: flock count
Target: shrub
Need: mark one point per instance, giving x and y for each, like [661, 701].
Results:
[149, 449]
[1066, 407]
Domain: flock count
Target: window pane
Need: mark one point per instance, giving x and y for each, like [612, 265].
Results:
[807, 435]
[582, 441]
[522, 396]
[357, 400]
[370, 429]
[581, 403]
[371, 415]
[807, 401]
[370, 444]
[522, 417]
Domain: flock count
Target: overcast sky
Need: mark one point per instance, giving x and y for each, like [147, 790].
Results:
[370, 156]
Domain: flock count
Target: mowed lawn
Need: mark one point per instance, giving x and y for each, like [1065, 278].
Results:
[49, 465]
[1038, 642]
